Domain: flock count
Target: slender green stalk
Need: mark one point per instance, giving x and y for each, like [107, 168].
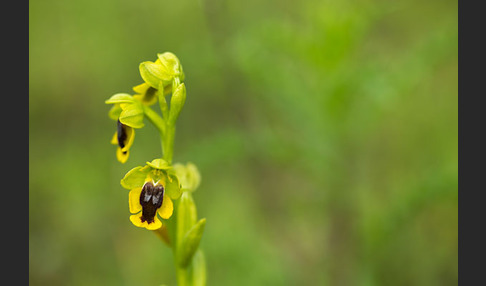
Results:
[155, 119]
[168, 143]
[182, 276]
[167, 135]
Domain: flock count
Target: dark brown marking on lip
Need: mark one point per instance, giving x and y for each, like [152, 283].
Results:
[121, 134]
[151, 199]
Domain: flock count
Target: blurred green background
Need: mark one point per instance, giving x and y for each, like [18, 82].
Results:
[325, 133]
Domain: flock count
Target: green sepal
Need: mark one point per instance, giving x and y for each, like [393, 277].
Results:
[160, 164]
[182, 75]
[163, 102]
[188, 176]
[132, 114]
[177, 103]
[190, 243]
[173, 187]
[153, 73]
[171, 63]
[135, 177]
[120, 98]
[115, 111]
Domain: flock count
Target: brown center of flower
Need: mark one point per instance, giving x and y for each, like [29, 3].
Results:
[150, 93]
[121, 134]
[151, 199]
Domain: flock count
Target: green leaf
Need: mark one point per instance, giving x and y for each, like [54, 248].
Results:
[190, 243]
[120, 98]
[153, 73]
[135, 177]
[177, 103]
[198, 269]
[132, 114]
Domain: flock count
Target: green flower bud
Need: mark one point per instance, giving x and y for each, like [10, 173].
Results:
[188, 175]
[186, 217]
[177, 103]
[161, 72]
[190, 243]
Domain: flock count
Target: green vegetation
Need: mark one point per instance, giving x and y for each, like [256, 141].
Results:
[325, 133]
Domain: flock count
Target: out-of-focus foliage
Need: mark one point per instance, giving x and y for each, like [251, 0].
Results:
[325, 133]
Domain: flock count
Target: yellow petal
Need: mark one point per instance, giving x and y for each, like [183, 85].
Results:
[137, 221]
[154, 225]
[138, 97]
[134, 200]
[114, 140]
[165, 211]
[130, 137]
[141, 88]
[150, 100]
[120, 156]
[146, 99]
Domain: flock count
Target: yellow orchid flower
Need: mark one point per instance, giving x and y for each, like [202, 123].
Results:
[128, 112]
[152, 189]
[146, 202]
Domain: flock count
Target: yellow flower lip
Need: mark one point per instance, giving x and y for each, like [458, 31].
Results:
[123, 137]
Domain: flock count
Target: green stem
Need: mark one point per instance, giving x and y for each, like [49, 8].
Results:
[155, 119]
[167, 133]
[167, 136]
[182, 276]
[168, 143]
